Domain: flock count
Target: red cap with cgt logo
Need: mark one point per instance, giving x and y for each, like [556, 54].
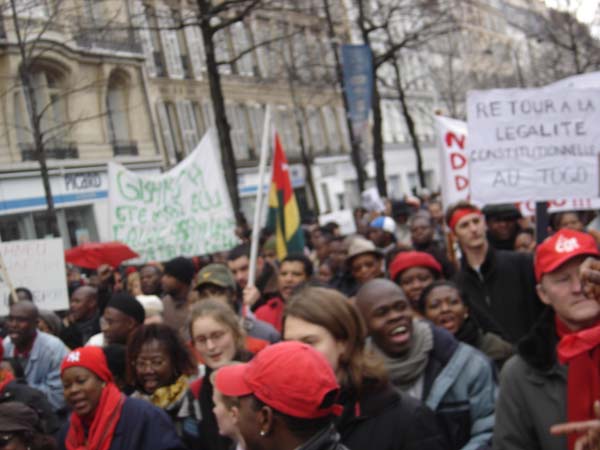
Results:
[559, 248]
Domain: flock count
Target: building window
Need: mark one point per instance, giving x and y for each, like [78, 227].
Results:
[333, 136]
[315, 130]
[236, 115]
[188, 125]
[118, 117]
[168, 128]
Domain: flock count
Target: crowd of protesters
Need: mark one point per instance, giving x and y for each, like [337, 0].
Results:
[426, 329]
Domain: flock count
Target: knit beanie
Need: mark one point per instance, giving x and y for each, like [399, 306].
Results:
[128, 305]
[180, 268]
[91, 358]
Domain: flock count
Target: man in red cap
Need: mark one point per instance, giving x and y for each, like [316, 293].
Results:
[288, 395]
[556, 374]
[499, 284]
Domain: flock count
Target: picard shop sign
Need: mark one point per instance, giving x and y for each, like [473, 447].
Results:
[82, 181]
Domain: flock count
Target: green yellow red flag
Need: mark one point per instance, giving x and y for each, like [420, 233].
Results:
[284, 215]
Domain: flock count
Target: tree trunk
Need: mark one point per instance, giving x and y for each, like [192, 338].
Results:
[35, 120]
[306, 160]
[361, 175]
[410, 124]
[218, 101]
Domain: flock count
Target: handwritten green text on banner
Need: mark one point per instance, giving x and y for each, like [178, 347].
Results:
[186, 211]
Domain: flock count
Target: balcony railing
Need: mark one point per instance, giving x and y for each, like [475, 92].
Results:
[90, 35]
[54, 150]
[125, 148]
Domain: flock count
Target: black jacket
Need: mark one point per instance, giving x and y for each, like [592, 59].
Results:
[328, 439]
[502, 296]
[385, 420]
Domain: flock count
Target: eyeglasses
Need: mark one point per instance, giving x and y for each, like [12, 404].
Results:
[5, 439]
[214, 337]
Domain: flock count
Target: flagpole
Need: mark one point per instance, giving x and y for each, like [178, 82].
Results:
[264, 150]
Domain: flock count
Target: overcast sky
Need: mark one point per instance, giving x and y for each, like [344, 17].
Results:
[586, 9]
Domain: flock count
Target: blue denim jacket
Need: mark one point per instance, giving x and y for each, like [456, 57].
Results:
[43, 368]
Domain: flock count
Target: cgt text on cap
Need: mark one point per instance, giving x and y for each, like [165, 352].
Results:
[290, 377]
[561, 247]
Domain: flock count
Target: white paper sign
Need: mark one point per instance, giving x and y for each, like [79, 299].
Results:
[371, 200]
[452, 135]
[38, 265]
[538, 144]
[184, 212]
[344, 218]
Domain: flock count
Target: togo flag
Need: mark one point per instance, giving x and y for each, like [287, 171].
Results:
[284, 216]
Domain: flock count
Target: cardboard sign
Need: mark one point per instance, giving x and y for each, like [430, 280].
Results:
[38, 265]
[344, 218]
[184, 212]
[454, 170]
[537, 144]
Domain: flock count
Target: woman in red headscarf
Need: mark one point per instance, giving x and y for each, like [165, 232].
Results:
[102, 417]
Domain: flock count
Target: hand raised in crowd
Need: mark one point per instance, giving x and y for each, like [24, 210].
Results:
[590, 277]
[590, 439]
[251, 295]
[106, 275]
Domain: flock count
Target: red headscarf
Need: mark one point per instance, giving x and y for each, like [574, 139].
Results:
[581, 351]
[103, 420]
[460, 213]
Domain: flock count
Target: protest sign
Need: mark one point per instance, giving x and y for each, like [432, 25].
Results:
[371, 200]
[344, 218]
[537, 144]
[38, 265]
[186, 211]
[454, 164]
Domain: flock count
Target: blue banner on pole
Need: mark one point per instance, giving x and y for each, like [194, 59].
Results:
[357, 64]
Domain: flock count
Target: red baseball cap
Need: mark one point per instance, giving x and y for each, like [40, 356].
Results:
[406, 260]
[559, 248]
[291, 377]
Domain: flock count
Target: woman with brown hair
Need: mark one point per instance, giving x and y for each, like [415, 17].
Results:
[374, 416]
[219, 339]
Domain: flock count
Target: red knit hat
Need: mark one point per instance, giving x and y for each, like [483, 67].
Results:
[560, 248]
[291, 377]
[406, 260]
[91, 358]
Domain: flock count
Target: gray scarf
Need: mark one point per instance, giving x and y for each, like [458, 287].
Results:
[406, 369]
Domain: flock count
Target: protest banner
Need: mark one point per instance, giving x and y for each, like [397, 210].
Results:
[454, 164]
[344, 218]
[536, 144]
[186, 211]
[38, 265]
[357, 69]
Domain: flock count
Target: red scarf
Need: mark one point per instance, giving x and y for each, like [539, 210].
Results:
[103, 423]
[581, 351]
[5, 378]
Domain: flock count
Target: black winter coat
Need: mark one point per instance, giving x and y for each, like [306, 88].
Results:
[328, 439]
[141, 426]
[386, 420]
[502, 296]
